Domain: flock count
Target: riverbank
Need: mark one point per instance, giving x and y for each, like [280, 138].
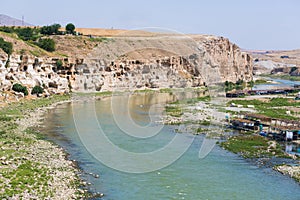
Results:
[30, 167]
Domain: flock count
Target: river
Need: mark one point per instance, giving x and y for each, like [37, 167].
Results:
[220, 175]
[276, 83]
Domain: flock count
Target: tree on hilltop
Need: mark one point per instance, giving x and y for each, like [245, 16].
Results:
[51, 30]
[70, 28]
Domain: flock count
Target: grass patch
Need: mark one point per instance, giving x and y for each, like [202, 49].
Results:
[260, 82]
[62, 54]
[36, 53]
[205, 123]
[27, 176]
[5, 118]
[145, 91]
[251, 146]
[166, 90]
[174, 111]
[201, 130]
[18, 109]
[272, 107]
[247, 146]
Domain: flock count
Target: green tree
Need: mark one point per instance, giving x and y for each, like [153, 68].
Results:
[37, 90]
[17, 87]
[70, 28]
[47, 44]
[25, 33]
[51, 30]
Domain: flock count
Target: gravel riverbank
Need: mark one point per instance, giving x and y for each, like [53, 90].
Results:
[32, 168]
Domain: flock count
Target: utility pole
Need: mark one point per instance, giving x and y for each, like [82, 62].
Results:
[22, 20]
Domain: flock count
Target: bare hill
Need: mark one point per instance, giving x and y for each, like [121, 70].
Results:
[10, 21]
[288, 57]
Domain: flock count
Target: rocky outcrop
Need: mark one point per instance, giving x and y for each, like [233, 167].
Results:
[132, 63]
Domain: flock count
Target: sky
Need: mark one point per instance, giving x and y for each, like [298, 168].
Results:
[251, 24]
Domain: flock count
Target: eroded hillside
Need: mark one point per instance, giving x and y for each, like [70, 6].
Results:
[86, 63]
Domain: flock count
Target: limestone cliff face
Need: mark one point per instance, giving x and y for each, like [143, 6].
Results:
[163, 63]
[227, 57]
[132, 63]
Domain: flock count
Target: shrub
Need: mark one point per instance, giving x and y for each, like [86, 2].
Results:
[7, 47]
[59, 64]
[37, 90]
[47, 44]
[20, 88]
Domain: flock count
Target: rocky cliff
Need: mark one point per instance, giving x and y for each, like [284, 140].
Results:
[102, 64]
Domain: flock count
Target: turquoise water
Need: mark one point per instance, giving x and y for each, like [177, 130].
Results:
[220, 175]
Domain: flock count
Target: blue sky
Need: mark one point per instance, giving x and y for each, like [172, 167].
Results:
[252, 24]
